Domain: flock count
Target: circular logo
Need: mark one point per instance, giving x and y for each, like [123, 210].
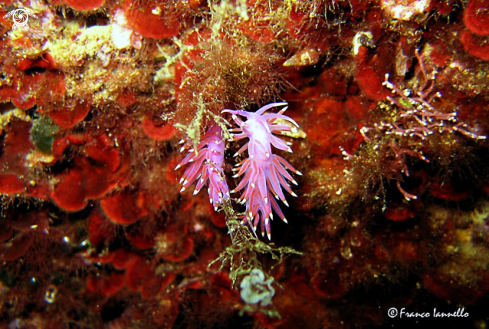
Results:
[392, 312]
[20, 17]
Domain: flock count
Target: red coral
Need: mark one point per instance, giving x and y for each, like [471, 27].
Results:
[16, 248]
[106, 285]
[6, 231]
[99, 229]
[5, 22]
[60, 144]
[45, 61]
[444, 7]
[102, 151]
[217, 218]
[96, 180]
[335, 121]
[476, 46]
[84, 4]
[23, 91]
[185, 71]
[329, 284]
[126, 99]
[27, 89]
[139, 239]
[152, 19]
[223, 284]
[15, 175]
[78, 185]
[153, 286]
[71, 114]
[171, 174]
[11, 184]
[121, 259]
[92, 176]
[16, 146]
[138, 271]
[399, 212]
[259, 26]
[54, 89]
[69, 193]
[298, 24]
[370, 74]
[124, 208]
[160, 130]
[174, 245]
[439, 54]
[476, 16]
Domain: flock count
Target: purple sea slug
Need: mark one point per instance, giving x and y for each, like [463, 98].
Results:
[264, 173]
[206, 164]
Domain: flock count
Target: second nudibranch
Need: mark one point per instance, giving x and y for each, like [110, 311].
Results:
[264, 173]
[206, 164]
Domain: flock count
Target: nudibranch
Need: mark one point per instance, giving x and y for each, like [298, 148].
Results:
[264, 173]
[206, 164]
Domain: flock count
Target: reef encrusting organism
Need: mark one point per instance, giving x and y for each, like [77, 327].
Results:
[412, 128]
[255, 290]
[221, 68]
